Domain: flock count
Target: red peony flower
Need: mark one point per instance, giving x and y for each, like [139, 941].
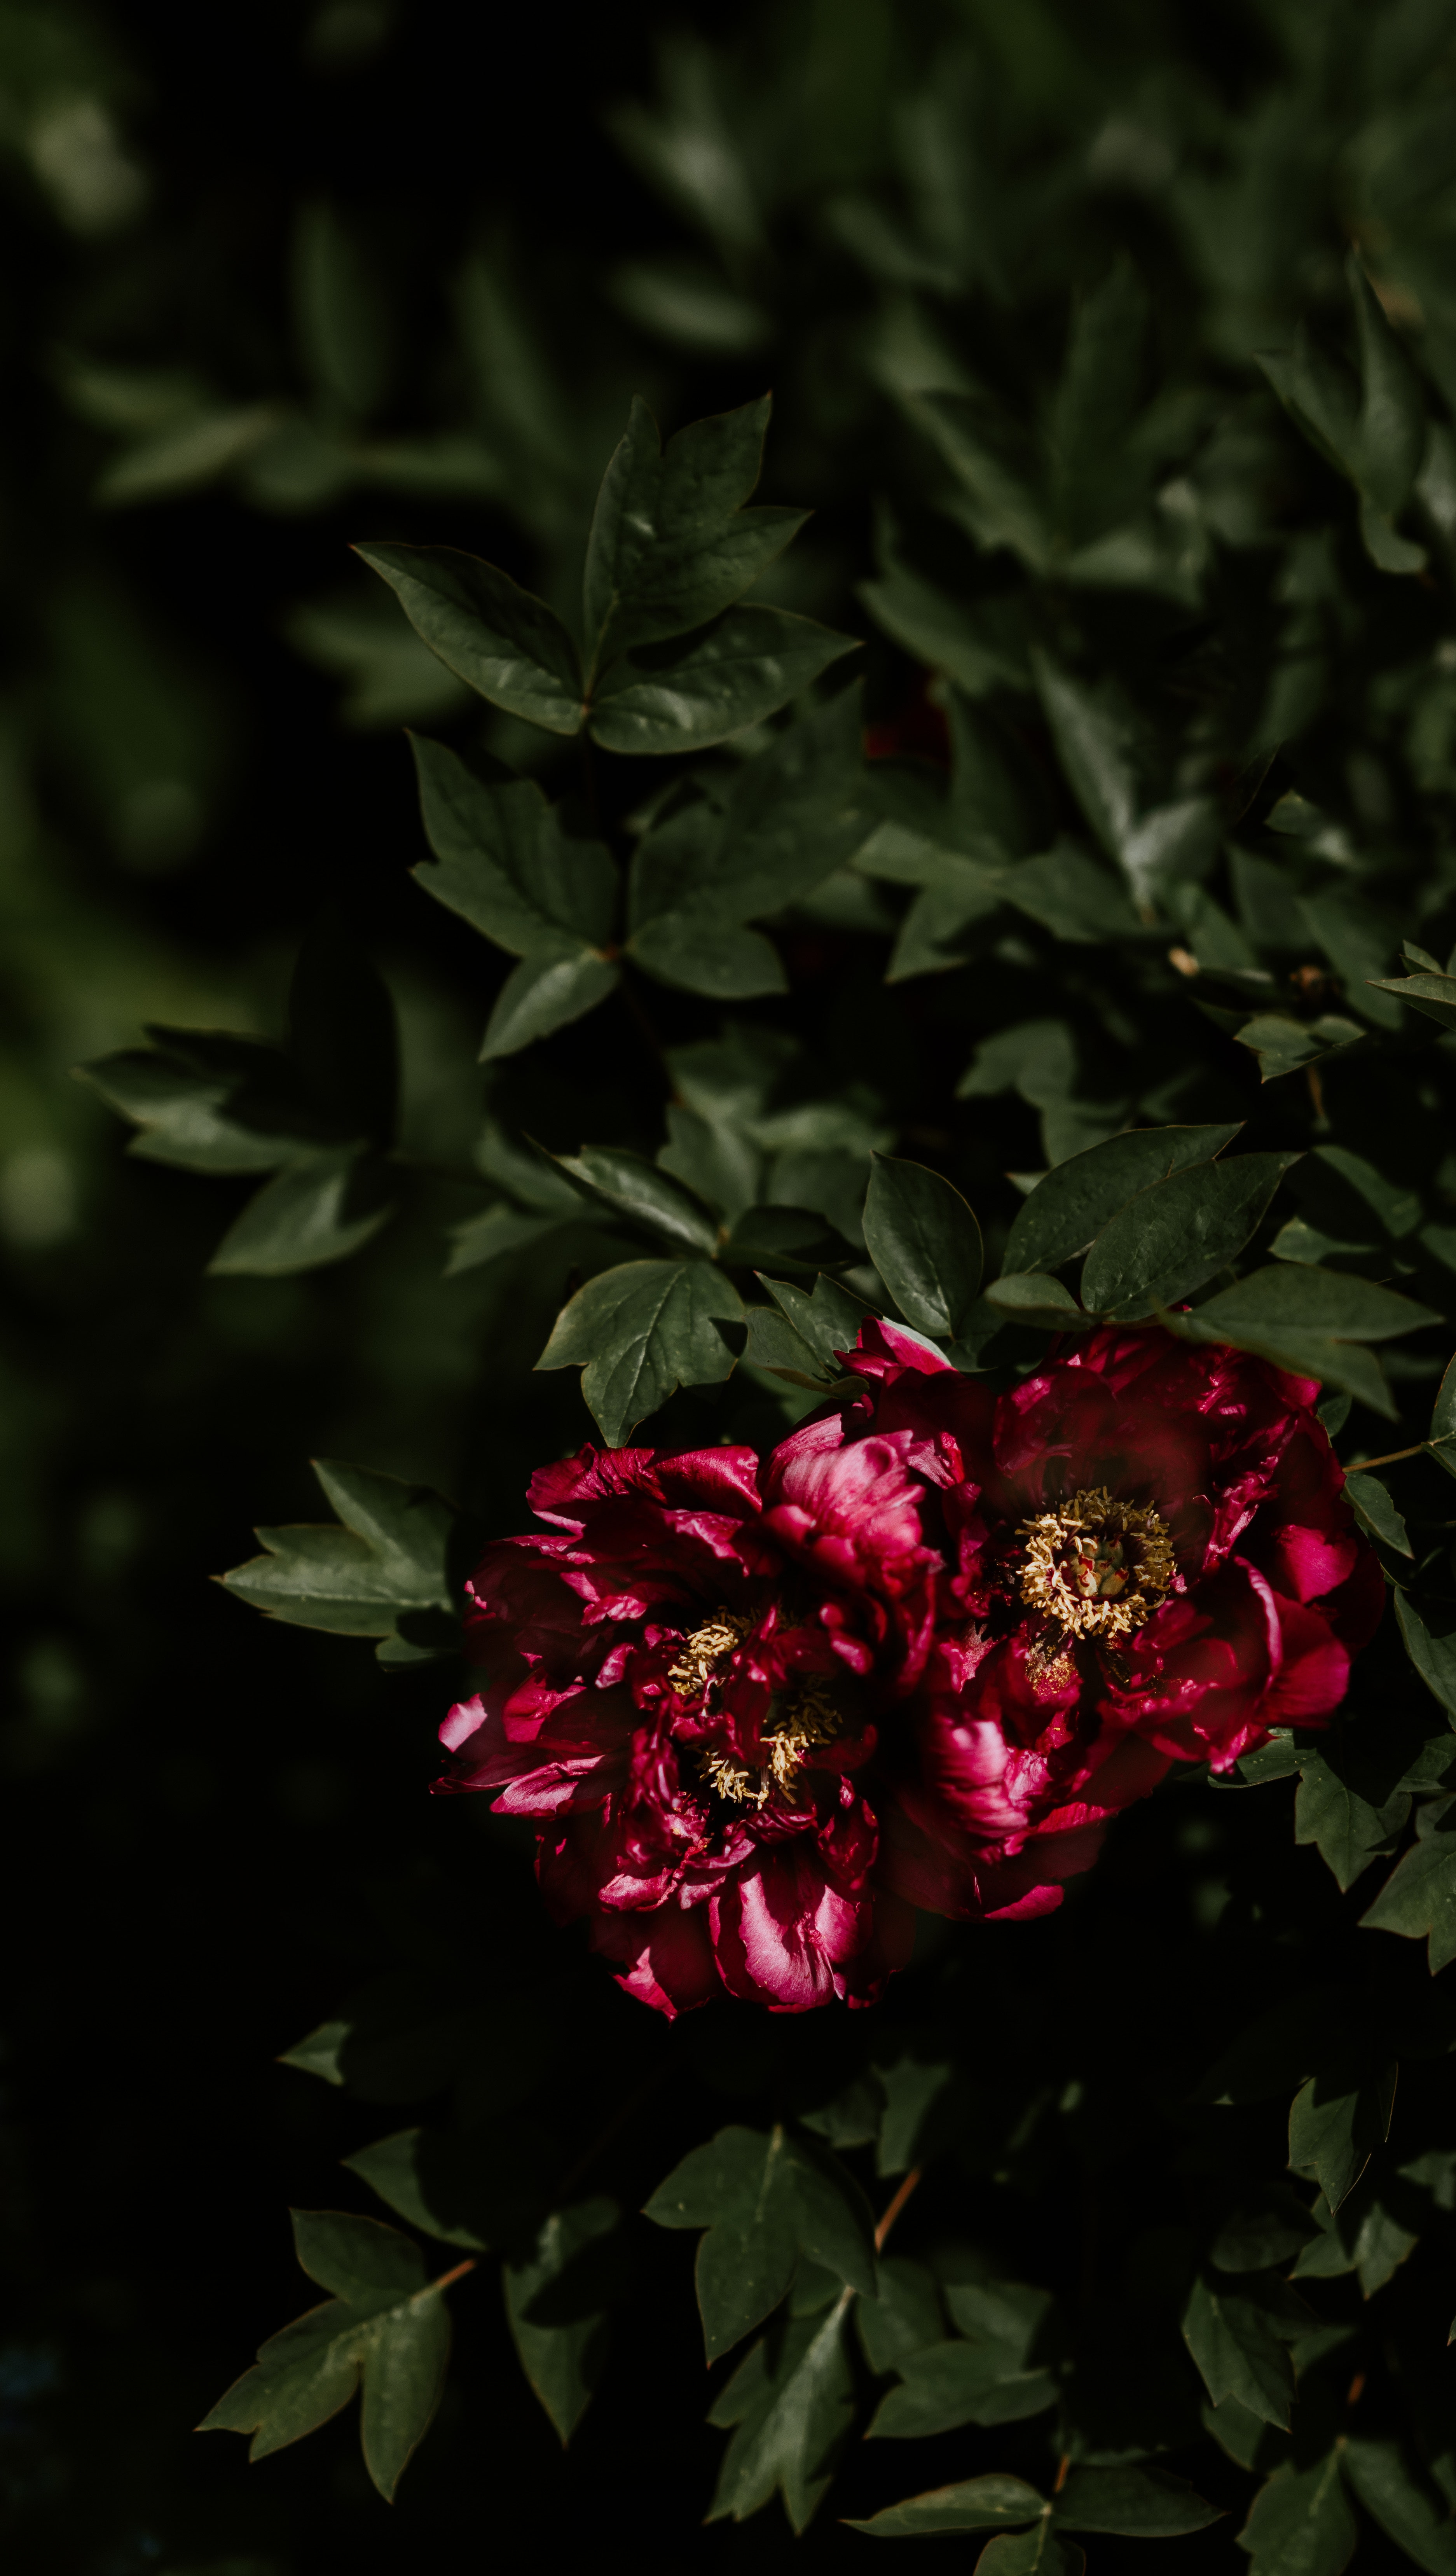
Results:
[761, 1709]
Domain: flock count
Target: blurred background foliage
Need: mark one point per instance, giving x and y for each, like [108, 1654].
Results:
[321, 273]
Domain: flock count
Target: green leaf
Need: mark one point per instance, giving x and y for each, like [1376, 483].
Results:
[386, 2324]
[960, 2383]
[993, 2377]
[212, 1102]
[905, 2317]
[716, 1157]
[643, 1194]
[1418, 1899]
[640, 1330]
[1145, 2504]
[1040, 2552]
[557, 2299]
[1232, 2339]
[1097, 471]
[1289, 2041]
[1391, 433]
[206, 1101]
[1072, 896]
[1348, 1829]
[1244, 2437]
[319, 1209]
[1262, 2235]
[504, 862]
[763, 2200]
[1177, 1234]
[773, 1344]
[925, 1243]
[542, 994]
[1431, 1648]
[1398, 2495]
[739, 2188]
[474, 2187]
[317, 2053]
[341, 321]
[832, 2218]
[1072, 1204]
[671, 542]
[1335, 2125]
[1283, 1044]
[1310, 1320]
[700, 954]
[794, 813]
[1357, 941]
[978, 2504]
[898, 855]
[795, 1236]
[1320, 394]
[933, 933]
[1375, 1510]
[969, 642]
[385, 1565]
[1300, 2523]
[1035, 1057]
[1443, 1411]
[1433, 995]
[502, 642]
[733, 672]
[790, 2416]
[1000, 508]
[1388, 550]
[828, 1319]
[1092, 745]
[917, 2083]
[1032, 1297]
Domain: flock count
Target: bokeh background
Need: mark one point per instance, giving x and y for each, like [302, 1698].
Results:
[279, 279]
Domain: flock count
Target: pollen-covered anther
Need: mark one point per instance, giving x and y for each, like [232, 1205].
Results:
[809, 1718]
[1096, 1566]
[704, 1651]
[806, 1716]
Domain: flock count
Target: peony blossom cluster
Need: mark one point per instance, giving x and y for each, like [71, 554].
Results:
[760, 1709]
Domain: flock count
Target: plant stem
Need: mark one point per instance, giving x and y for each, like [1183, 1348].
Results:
[896, 2205]
[458, 2274]
[1391, 1459]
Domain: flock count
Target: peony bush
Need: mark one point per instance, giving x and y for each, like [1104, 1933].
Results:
[956, 1183]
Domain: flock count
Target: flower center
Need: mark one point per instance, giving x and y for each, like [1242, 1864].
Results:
[799, 1717]
[1097, 1566]
[705, 1650]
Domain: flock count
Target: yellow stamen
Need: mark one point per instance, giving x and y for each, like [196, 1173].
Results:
[803, 1717]
[704, 1651]
[1096, 1566]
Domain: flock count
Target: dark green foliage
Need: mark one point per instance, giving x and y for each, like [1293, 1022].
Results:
[386, 2327]
[317, 1114]
[999, 880]
[926, 1245]
[789, 2409]
[557, 2301]
[671, 664]
[1419, 1898]
[382, 1573]
[766, 2202]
